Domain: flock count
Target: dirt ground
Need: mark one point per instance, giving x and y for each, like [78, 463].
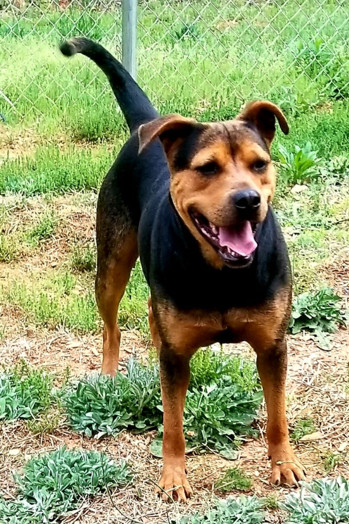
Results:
[318, 387]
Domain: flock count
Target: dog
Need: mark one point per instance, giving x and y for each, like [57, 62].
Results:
[193, 200]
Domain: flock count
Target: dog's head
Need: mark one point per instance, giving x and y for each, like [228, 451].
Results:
[222, 178]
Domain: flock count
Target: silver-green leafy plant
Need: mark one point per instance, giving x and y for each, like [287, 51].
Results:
[55, 483]
[324, 501]
[242, 510]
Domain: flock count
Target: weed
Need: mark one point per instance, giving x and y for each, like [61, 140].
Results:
[317, 312]
[242, 510]
[271, 502]
[336, 169]
[43, 230]
[331, 461]
[83, 259]
[46, 422]
[234, 479]
[24, 392]
[300, 165]
[206, 366]
[313, 57]
[53, 484]
[303, 427]
[187, 31]
[9, 248]
[322, 501]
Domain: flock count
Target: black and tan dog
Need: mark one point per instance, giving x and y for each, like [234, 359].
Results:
[193, 200]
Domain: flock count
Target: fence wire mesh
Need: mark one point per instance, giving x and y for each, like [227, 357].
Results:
[202, 58]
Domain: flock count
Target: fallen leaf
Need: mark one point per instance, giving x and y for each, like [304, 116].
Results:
[312, 436]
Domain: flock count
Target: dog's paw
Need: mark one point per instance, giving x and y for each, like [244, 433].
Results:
[286, 469]
[174, 485]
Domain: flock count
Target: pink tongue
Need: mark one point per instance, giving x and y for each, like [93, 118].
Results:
[240, 238]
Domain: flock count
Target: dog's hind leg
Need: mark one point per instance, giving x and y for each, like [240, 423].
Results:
[116, 255]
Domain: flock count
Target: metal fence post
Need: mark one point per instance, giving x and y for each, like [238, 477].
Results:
[129, 36]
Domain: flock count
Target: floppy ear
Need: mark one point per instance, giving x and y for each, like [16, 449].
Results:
[262, 115]
[167, 128]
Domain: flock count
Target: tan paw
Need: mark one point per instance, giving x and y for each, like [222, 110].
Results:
[174, 485]
[286, 469]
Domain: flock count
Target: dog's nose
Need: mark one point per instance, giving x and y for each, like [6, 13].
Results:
[247, 200]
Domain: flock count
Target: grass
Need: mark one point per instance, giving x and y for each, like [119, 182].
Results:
[76, 308]
[83, 259]
[281, 61]
[219, 408]
[52, 170]
[234, 479]
[56, 483]
[43, 230]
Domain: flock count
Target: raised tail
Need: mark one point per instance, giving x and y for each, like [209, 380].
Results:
[133, 102]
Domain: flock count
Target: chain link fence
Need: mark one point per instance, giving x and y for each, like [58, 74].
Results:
[195, 57]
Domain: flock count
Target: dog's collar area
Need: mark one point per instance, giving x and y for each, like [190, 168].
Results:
[235, 244]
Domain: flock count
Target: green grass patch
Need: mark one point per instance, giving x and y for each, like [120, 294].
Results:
[58, 301]
[234, 479]
[24, 392]
[242, 510]
[285, 63]
[271, 502]
[56, 483]
[43, 230]
[217, 412]
[303, 427]
[65, 299]
[322, 501]
[84, 259]
[133, 312]
[55, 170]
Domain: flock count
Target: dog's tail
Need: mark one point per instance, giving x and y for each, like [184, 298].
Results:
[134, 103]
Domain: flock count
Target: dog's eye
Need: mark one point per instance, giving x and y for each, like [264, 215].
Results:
[209, 169]
[259, 166]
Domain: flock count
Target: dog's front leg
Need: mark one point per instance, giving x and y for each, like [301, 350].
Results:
[174, 374]
[272, 366]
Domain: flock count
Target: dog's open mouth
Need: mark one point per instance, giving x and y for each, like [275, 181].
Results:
[235, 244]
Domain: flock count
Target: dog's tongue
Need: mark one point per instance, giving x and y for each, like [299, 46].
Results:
[240, 238]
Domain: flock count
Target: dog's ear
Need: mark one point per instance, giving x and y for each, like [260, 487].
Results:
[262, 115]
[168, 128]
